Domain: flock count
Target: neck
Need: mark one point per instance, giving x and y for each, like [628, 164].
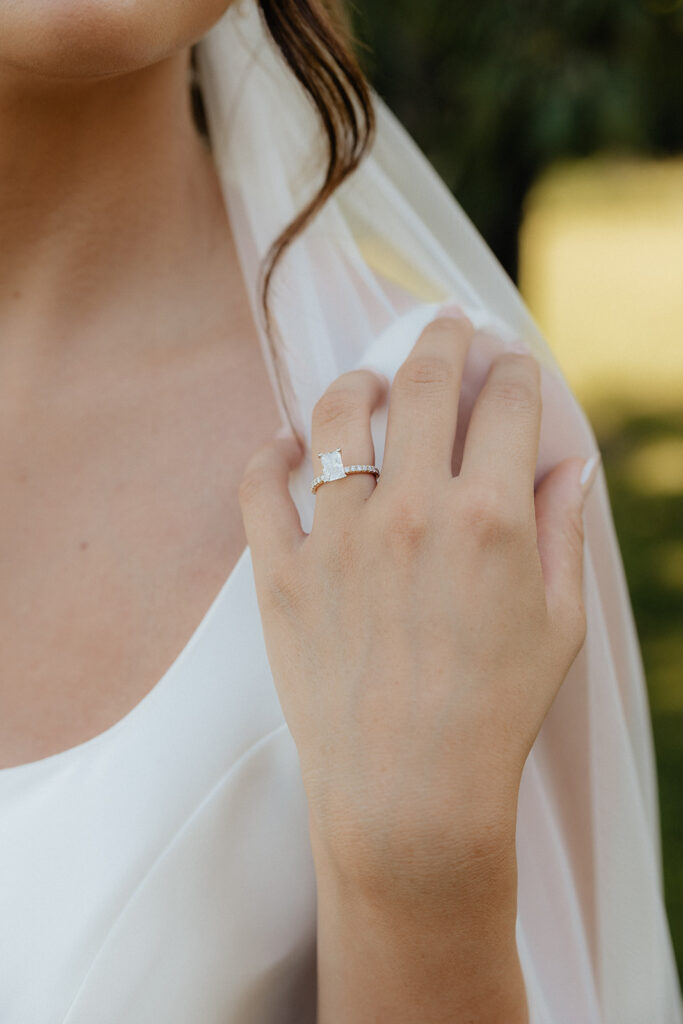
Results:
[104, 187]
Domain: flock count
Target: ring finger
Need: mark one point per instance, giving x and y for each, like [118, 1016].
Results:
[341, 419]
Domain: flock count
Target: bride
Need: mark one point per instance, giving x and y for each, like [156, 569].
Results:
[391, 759]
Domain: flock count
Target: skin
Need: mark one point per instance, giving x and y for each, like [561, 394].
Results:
[81, 39]
[127, 347]
[449, 609]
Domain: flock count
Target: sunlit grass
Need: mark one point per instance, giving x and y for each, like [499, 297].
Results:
[670, 568]
[601, 266]
[657, 466]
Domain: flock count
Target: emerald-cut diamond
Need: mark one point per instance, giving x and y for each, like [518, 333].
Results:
[333, 467]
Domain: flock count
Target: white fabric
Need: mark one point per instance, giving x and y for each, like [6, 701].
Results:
[162, 870]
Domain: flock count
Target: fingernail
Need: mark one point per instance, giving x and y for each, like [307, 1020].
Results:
[518, 346]
[589, 473]
[452, 310]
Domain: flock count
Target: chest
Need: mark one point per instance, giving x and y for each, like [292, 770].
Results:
[118, 526]
[164, 872]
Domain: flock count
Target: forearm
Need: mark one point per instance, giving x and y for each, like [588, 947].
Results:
[454, 964]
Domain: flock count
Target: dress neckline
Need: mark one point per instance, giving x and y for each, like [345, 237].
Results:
[61, 757]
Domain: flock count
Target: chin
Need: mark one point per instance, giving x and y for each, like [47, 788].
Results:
[99, 38]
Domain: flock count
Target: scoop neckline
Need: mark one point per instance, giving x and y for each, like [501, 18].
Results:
[68, 753]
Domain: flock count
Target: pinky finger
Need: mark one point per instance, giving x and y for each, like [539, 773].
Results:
[271, 519]
[560, 535]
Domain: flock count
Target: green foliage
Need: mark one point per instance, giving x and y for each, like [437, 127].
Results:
[494, 91]
[648, 526]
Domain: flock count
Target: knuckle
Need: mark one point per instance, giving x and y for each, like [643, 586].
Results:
[488, 517]
[522, 363]
[407, 524]
[431, 369]
[512, 392]
[338, 404]
[515, 381]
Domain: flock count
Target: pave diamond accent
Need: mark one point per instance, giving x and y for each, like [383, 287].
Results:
[333, 467]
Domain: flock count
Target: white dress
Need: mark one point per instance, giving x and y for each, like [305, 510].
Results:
[162, 871]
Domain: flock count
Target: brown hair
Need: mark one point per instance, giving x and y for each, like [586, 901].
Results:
[315, 39]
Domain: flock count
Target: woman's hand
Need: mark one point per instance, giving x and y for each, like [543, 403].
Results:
[418, 635]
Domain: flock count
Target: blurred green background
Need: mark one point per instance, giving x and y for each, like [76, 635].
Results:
[559, 128]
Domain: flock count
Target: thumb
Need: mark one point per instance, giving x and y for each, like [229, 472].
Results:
[559, 502]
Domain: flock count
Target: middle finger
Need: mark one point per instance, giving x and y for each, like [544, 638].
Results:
[423, 404]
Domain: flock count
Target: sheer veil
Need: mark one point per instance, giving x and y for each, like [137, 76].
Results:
[386, 251]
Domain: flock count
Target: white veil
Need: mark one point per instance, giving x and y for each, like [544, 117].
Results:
[385, 252]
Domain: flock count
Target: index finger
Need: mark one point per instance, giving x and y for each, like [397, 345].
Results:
[501, 444]
[270, 517]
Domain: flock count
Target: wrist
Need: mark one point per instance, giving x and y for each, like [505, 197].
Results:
[424, 874]
[414, 865]
[447, 954]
